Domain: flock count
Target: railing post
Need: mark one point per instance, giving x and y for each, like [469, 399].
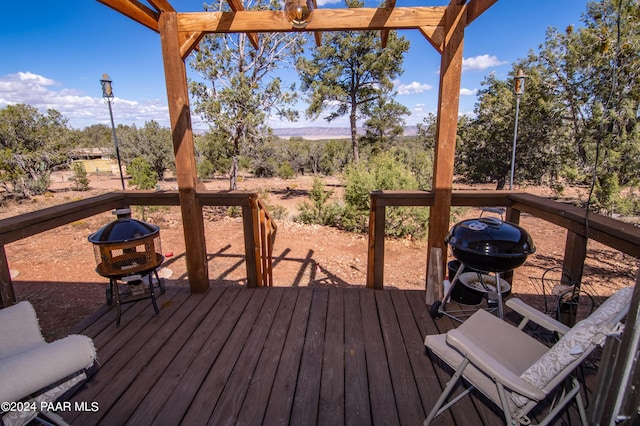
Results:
[251, 247]
[512, 215]
[375, 255]
[575, 252]
[7, 296]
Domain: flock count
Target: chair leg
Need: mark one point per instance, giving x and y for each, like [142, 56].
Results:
[437, 410]
[574, 392]
[506, 411]
[50, 418]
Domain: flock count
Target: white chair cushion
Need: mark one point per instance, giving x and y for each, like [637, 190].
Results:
[19, 329]
[590, 331]
[30, 371]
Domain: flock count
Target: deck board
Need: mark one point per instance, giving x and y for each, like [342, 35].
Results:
[272, 356]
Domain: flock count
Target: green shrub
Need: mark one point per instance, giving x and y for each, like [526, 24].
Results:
[315, 212]
[142, 175]
[285, 171]
[80, 177]
[352, 214]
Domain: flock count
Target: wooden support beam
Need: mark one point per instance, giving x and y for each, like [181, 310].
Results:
[237, 6]
[183, 148]
[135, 10]
[323, 20]
[189, 42]
[434, 35]
[161, 5]
[446, 127]
[476, 8]
[384, 34]
[317, 34]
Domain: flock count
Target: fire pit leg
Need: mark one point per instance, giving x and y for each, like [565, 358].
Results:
[116, 292]
[152, 293]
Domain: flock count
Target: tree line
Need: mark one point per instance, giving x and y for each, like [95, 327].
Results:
[579, 118]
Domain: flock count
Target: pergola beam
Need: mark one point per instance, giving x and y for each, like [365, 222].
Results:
[384, 34]
[237, 6]
[475, 8]
[136, 11]
[323, 20]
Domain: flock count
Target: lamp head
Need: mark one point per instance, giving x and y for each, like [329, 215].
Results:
[518, 83]
[107, 90]
[298, 12]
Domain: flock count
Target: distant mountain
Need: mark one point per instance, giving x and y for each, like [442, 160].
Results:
[328, 132]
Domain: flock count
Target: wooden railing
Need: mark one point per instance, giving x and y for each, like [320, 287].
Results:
[259, 227]
[264, 234]
[580, 226]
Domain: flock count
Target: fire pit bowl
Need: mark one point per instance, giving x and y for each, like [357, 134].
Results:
[126, 246]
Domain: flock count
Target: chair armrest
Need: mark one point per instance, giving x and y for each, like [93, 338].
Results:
[531, 314]
[489, 366]
[30, 371]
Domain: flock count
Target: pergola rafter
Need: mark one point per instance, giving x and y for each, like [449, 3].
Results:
[180, 33]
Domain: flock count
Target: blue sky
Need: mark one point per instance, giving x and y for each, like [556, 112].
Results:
[54, 54]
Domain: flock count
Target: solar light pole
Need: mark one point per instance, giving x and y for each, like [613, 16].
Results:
[107, 93]
[518, 89]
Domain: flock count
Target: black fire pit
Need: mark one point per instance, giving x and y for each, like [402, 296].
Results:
[129, 250]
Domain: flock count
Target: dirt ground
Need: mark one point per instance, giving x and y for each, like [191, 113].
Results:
[55, 270]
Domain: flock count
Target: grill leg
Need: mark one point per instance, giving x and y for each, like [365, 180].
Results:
[499, 290]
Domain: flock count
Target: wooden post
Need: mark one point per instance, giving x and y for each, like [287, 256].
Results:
[180, 116]
[375, 255]
[575, 252]
[7, 296]
[435, 277]
[446, 127]
[251, 246]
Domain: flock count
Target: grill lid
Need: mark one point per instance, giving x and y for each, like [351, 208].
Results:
[122, 230]
[490, 237]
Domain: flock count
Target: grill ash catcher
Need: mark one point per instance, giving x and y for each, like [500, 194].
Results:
[129, 250]
[486, 245]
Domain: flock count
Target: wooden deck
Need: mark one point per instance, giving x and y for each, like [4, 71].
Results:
[271, 356]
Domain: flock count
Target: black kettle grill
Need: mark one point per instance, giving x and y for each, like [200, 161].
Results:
[486, 244]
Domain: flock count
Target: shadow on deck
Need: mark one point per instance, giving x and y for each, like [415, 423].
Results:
[270, 356]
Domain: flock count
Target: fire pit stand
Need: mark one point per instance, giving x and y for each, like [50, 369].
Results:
[143, 284]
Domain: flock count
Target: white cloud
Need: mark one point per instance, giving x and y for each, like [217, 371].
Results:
[43, 93]
[468, 92]
[412, 88]
[326, 2]
[480, 63]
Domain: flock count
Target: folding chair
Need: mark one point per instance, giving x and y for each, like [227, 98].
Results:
[34, 373]
[516, 371]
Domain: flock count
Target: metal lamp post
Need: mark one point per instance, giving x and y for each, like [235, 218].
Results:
[518, 89]
[107, 93]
